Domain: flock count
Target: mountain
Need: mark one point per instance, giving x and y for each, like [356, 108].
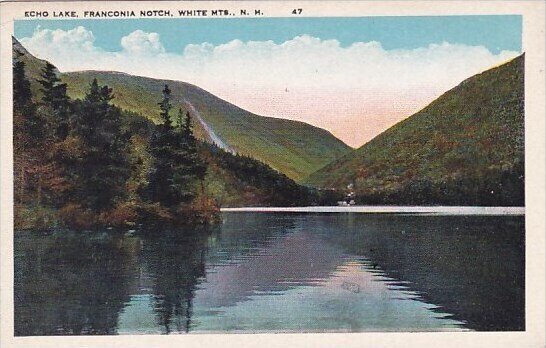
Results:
[232, 179]
[466, 147]
[33, 65]
[294, 148]
[240, 181]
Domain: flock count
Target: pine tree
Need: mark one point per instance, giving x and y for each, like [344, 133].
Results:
[49, 81]
[30, 140]
[191, 169]
[22, 107]
[165, 106]
[195, 165]
[163, 187]
[31, 124]
[101, 169]
[177, 164]
[22, 95]
[55, 98]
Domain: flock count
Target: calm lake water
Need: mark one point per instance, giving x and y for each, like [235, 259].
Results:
[276, 272]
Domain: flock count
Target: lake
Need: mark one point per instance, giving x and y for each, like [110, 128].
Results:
[299, 271]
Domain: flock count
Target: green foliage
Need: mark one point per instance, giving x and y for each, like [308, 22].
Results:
[100, 165]
[294, 148]
[177, 168]
[466, 147]
[194, 167]
[49, 81]
[21, 85]
[54, 97]
[26, 119]
[30, 169]
[99, 174]
[34, 216]
[33, 67]
[239, 180]
[165, 106]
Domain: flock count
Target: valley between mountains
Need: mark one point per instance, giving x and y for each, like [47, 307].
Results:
[465, 148]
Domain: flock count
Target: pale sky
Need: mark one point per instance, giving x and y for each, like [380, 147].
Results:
[355, 80]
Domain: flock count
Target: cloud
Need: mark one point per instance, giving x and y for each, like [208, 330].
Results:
[55, 41]
[355, 91]
[139, 42]
[70, 48]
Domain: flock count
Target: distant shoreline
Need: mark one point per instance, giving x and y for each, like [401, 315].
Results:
[422, 210]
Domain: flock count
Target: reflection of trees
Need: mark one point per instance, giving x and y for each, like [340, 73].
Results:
[175, 261]
[71, 284]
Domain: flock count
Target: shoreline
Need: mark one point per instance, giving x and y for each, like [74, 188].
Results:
[420, 210]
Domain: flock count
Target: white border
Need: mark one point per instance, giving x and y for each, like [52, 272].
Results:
[533, 13]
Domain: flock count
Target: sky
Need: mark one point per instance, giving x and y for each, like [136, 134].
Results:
[352, 76]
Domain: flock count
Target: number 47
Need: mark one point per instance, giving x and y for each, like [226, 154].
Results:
[297, 11]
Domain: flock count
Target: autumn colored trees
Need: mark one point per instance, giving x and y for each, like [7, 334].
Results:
[85, 163]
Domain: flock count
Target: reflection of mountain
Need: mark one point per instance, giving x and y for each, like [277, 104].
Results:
[71, 285]
[286, 257]
[472, 267]
[294, 272]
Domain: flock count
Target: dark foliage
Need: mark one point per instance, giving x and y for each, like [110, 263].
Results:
[277, 187]
[54, 97]
[26, 119]
[99, 172]
[87, 163]
[177, 167]
[21, 85]
[465, 148]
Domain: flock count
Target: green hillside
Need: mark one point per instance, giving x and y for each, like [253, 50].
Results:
[293, 148]
[33, 65]
[231, 180]
[466, 147]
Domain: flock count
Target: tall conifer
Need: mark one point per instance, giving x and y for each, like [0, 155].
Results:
[102, 169]
[55, 98]
[177, 164]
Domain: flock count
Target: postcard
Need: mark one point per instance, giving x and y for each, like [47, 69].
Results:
[296, 174]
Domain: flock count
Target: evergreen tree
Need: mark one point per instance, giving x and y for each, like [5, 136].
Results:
[163, 187]
[55, 98]
[24, 108]
[195, 165]
[165, 106]
[177, 164]
[22, 95]
[21, 102]
[49, 81]
[101, 170]
[191, 168]
[30, 167]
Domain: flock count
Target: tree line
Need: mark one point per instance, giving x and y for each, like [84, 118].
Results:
[85, 162]
[275, 188]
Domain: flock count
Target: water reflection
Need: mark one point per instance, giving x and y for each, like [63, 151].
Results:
[470, 266]
[71, 284]
[276, 272]
[175, 263]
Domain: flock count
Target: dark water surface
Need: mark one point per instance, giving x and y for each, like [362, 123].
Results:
[272, 272]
